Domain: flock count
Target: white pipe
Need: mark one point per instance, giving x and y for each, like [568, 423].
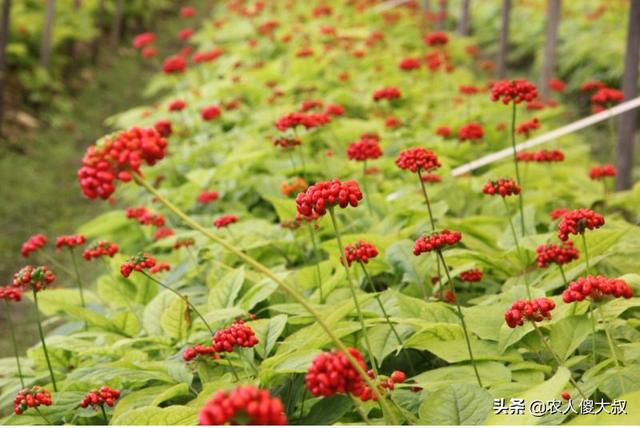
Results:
[567, 129]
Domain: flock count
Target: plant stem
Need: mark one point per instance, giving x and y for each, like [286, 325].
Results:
[104, 414]
[586, 252]
[433, 229]
[183, 297]
[352, 287]
[515, 162]
[44, 345]
[612, 346]
[233, 371]
[386, 316]
[43, 416]
[564, 277]
[364, 185]
[462, 321]
[555, 357]
[312, 236]
[520, 256]
[389, 417]
[593, 334]
[55, 262]
[79, 282]
[13, 340]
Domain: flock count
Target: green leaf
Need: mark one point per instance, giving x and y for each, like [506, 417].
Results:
[59, 300]
[224, 292]
[257, 293]
[327, 411]
[175, 320]
[151, 396]
[549, 390]
[631, 416]
[172, 415]
[456, 405]
[568, 334]
[268, 331]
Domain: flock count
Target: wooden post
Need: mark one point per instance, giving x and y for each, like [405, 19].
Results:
[549, 56]
[116, 27]
[501, 66]
[45, 47]
[4, 38]
[95, 49]
[627, 121]
[463, 22]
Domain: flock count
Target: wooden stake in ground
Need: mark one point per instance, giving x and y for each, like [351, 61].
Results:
[47, 33]
[116, 28]
[551, 39]
[627, 124]
[463, 23]
[501, 63]
[4, 37]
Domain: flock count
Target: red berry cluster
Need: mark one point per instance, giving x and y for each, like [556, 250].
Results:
[602, 171]
[207, 196]
[175, 64]
[392, 122]
[297, 184]
[225, 221]
[605, 97]
[557, 85]
[596, 287]
[244, 405]
[177, 105]
[327, 194]
[308, 120]
[186, 242]
[114, 157]
[531, 310]
[331, 373]
[525, 128]
[363, 150]
[163, 126]
[36, 278]
[471, 132]
[558, 213]
[191, 353]
[334, 110]
[592, 85]
[143, 39]
[436, 241]
[418, 159]
[208, 56]
[383, 383]
[360, 252]
[237, 334]
[33, 244]
[162, 232]
[408, 64]
[287, 142]
[210, 113]
[145, 217]
[541, 156]
[100, 397]
[443, 131]
[69, 241]
[503, 187]
[137, 263]
[577, 221]
[35, 397]
[471, 275]
[308, 105]
[436, 38]
[10, 293]
[560, 255]
[468, 89]
[515, 91]
[160, 267]
[387, 93]
[102, 248]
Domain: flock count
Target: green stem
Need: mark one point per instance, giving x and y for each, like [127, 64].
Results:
[365, 186]
[518, 248]
[612, 345]
[183, 297]
[462, 321]
[43, 417]
[433, 229]
[79, 282]
[13, 340]
[515, 162]
[564, 277]
[361, 412]
[586, 252]
[233, 371]
[352, 287]
[312, 236]
[44, 345]
[55, 262]
[389, 416]
[593, 334]
[555, 357]
[104, 414]
[386, 316]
